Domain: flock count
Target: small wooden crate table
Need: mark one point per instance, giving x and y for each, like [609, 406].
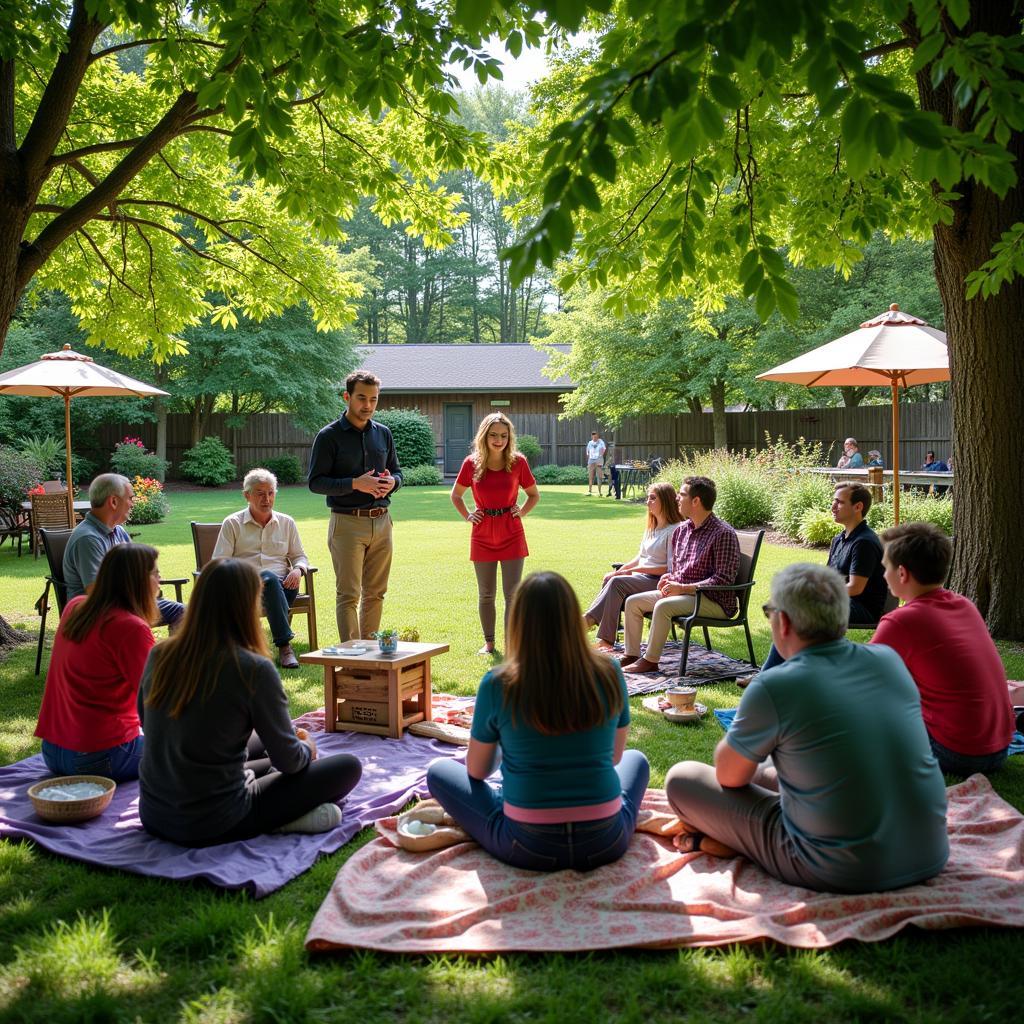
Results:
[374, 692]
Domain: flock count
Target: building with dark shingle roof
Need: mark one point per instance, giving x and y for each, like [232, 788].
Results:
[455, 386]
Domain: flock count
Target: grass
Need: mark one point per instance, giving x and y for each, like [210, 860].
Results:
[81, 944]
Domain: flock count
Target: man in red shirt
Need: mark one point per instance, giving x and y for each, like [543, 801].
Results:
[943, 641]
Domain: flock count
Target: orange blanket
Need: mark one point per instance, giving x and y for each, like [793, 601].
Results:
[462, 900]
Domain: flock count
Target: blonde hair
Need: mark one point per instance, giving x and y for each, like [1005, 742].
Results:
[668, 506]
[480, 444]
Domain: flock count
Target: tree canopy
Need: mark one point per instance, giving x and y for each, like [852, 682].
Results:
[154, 154]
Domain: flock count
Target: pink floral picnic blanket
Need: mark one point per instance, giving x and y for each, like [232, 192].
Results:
[462, 900]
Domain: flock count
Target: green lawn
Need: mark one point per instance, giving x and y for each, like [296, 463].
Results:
[79, 944]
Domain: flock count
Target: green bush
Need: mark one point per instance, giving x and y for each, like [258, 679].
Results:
[18, 473]
[817, 527]
[797, 495]
[131, 459]
[84, 469]
[926, 508]
[414, 437]
[47, 453]
[530, 447]
[550, 474]
[208, 463]
[421, 476]
[745, 486]
[286, 468]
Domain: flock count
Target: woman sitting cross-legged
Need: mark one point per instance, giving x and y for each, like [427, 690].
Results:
[222, 761]
[640, 574]
[559, 711]
[87, 721]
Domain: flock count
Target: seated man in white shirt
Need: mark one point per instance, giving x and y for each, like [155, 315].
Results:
[270, 540]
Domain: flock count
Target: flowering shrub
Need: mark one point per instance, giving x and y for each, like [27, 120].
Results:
[131, 459]
[150, 501]
[38, 489]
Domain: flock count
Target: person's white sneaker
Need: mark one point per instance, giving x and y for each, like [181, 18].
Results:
[322, 818]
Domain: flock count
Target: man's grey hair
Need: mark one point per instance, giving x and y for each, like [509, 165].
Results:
[107, 485]
[815, 599]
[853, 441]
[258, 476]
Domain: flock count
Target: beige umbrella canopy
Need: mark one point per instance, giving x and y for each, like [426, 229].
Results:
[893, 348]
[68, 374]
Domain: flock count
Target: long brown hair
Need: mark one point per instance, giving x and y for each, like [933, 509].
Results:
[123, 582]
[480, 444]
[668, 505]
[552, 678]
[223, 616]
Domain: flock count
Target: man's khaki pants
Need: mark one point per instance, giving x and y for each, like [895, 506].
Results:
[361, 552]
[662, 610]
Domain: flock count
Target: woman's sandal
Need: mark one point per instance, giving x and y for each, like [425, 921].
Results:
[604, 648]
[698, 842]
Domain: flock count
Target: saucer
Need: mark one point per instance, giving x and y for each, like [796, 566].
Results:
[698, 712]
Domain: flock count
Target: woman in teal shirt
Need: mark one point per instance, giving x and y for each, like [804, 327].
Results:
[555, 714]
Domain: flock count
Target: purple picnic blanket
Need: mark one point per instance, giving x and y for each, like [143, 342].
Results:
[393, 772]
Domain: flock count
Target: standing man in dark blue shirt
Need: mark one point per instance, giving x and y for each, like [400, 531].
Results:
[354, 463]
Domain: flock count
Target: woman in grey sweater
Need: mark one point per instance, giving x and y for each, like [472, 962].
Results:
[222, 761]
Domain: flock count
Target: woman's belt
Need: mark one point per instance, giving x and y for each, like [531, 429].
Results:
[497, 511]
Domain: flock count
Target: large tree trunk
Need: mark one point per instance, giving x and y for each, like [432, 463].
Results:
[986, 368]
[718, 414]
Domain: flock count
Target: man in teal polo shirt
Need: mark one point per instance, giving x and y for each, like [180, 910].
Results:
[110, 503]
[854, 800]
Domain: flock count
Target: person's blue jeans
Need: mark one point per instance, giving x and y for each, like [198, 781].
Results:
[120, 763]
[478, 807]
[953, 763]
[277, 599]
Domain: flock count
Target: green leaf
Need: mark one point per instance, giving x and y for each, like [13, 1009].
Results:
[884, 133]
[764, 303]
[748, 265]
[602, 160]
[923, 130]
[833, 101]
[709, 118]
[725, 92]
[557, 225]
[947, 167]
[473, 14]
[959, 11]
[556, 185]
[622, 131]
[854, 125]
[514, 43]
[584, 190]
[926, 51]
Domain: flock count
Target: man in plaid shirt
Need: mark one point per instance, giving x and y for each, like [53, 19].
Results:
[705, 551]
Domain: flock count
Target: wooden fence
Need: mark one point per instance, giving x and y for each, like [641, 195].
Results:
[923, 426]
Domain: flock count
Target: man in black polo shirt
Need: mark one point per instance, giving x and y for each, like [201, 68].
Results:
[856, 554]
[354, 463]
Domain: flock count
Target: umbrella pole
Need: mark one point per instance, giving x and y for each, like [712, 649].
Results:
[896, 452]
[67, 452]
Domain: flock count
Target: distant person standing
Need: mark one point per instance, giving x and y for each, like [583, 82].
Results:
[851, 457]
[595, 462]
[353, 463]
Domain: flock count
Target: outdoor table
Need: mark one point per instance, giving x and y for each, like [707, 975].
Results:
[81, 507]
[914, 477]
[373, 692]
[632, 476]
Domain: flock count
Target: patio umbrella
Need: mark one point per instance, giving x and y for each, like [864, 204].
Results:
[893, 348]
[68, 374]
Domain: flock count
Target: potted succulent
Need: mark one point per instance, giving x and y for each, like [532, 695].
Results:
[387, 640]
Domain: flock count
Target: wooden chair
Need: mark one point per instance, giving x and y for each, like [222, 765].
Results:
[54, 543]
[14, 524]
[750, 548]
[49, 511]
[204, 540]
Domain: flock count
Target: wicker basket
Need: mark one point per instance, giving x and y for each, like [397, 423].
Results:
[67, 812]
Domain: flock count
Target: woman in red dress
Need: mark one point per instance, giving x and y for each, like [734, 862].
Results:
[495, 472]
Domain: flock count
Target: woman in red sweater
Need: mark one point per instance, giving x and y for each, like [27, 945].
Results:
[495, 471]
[88, 720]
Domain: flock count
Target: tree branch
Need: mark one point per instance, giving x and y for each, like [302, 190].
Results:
[8, 140]
[150, 42]
[58, 99]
